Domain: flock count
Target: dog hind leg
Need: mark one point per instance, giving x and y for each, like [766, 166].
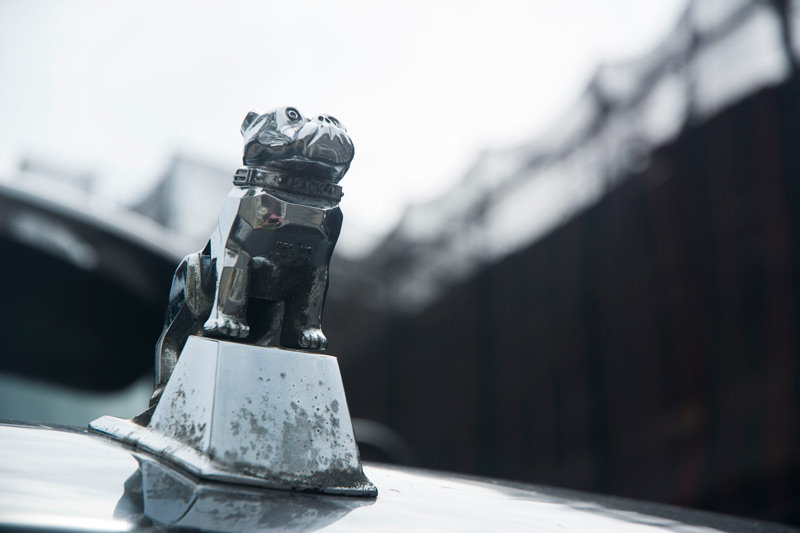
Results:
[189, 306]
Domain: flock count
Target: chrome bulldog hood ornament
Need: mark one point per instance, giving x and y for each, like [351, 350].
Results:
[226, 406]
[264, 271]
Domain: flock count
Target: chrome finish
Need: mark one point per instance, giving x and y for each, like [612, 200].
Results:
[253, 415]
[241, 412]
[168, 497]
[264, 271]
[283, 138]
[281, 181]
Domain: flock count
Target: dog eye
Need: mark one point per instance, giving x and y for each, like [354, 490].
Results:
[292, 113]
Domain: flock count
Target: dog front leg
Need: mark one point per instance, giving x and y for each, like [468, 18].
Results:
[302, 321]
[230, 301]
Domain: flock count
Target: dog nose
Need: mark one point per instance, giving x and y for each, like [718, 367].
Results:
[327, 119]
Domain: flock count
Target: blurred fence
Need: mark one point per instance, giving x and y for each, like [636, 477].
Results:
[615, 307]
[719, 53]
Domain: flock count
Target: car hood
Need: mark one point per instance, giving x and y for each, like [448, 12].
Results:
[65, 479]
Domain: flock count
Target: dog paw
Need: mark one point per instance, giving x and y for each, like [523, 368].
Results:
[313, 339]
[228, 326]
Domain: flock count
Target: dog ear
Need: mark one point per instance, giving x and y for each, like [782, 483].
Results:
[249, 119]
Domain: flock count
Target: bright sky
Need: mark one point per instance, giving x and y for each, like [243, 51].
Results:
[423, 86]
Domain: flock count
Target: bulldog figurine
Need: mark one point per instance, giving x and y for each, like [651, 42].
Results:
[264, 270]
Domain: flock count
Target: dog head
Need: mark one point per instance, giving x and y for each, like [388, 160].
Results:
[284, 139]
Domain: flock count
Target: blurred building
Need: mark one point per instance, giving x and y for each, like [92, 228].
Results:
[187, 198]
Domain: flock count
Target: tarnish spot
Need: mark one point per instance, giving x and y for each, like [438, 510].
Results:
[290, 433]
[231, 456]
[189, 432]
[255, 427]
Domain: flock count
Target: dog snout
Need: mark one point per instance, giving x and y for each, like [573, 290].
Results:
[328, 119]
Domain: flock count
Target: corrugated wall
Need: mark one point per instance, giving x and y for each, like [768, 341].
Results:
[646, 348]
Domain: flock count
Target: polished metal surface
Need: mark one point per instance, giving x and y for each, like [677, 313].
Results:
[236, 410]
[68, 480]
[283, 138]
[264, 272]
[165, 496]
[253, 415]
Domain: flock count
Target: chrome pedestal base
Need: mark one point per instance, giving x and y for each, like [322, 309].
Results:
[253, 415]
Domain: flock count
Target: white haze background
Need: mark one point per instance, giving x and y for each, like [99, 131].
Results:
[117, 88]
